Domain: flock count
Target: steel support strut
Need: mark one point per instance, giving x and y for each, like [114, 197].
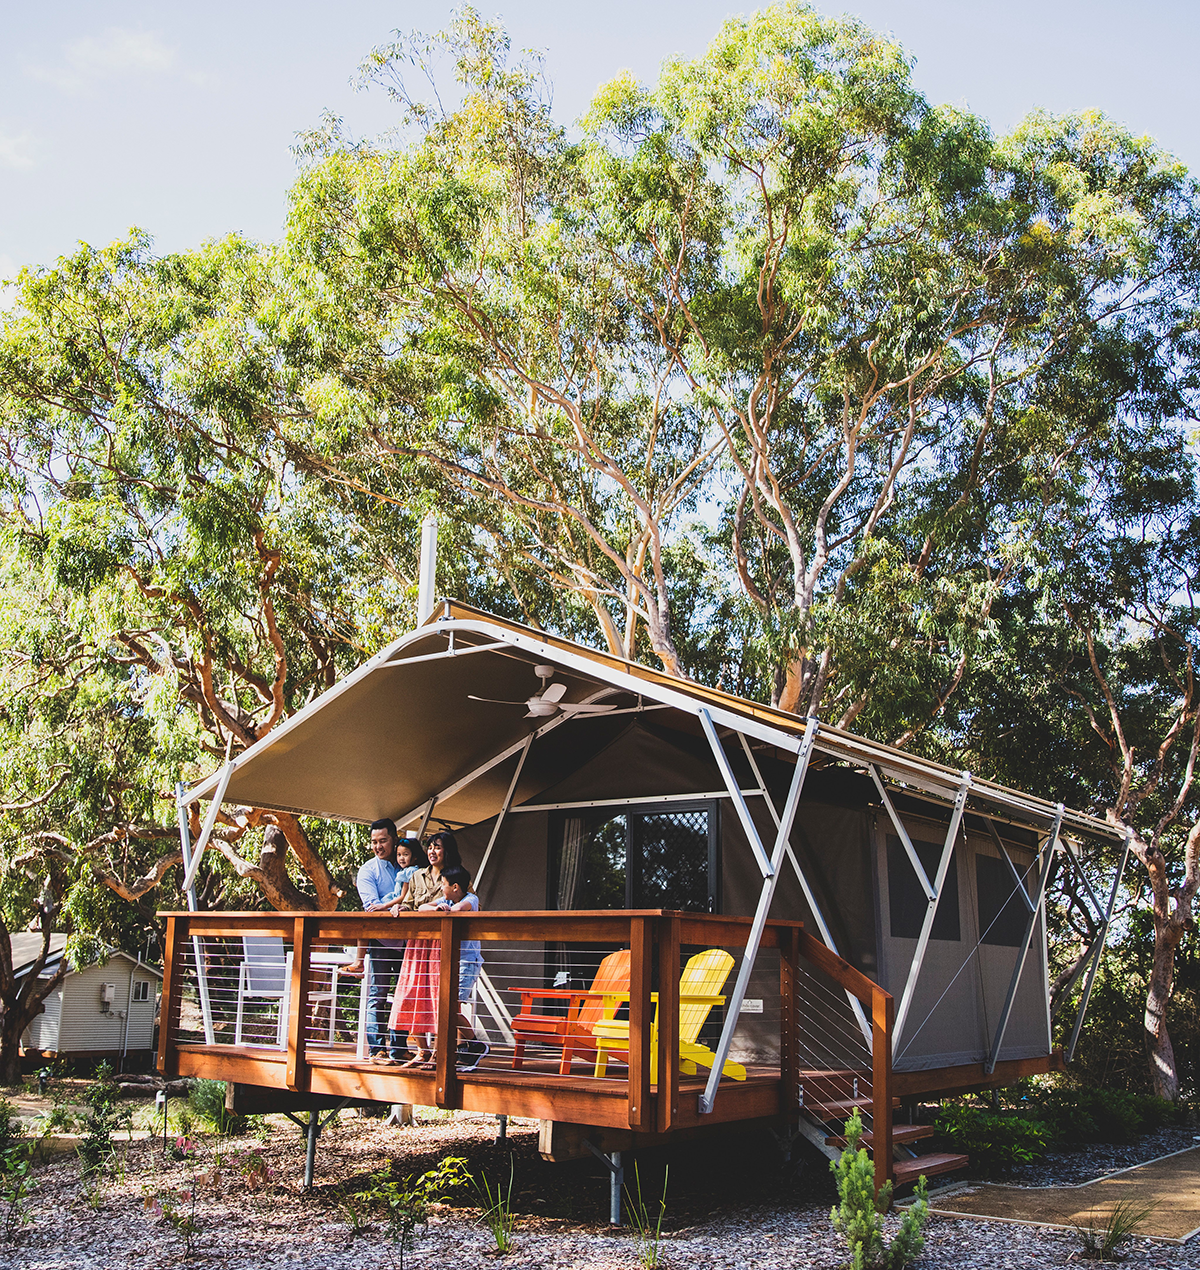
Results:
[616, 1179]
[770, 879]
[185, 847]
[1023, 951]
[1087, 987]
[914, 971]
[827, 939]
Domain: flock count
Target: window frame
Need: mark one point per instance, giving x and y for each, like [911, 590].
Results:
[601, 811]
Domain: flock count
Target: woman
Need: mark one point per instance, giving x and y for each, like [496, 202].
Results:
[415, 1007]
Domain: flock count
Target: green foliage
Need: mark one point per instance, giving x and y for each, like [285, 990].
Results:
[105, 1118]
[1101, 1238]
[996, 1143]
[647, 1222]
[858, 1215]
[206, 1099]
[497, 1211]
[404, 1202]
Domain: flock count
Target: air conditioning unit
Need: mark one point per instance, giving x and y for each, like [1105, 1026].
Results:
[108, 994]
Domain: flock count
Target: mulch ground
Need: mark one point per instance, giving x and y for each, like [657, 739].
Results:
[730, 1205]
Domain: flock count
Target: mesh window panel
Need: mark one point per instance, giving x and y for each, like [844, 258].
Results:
[672, 851]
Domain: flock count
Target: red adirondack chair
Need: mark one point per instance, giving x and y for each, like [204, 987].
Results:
[585, 1007]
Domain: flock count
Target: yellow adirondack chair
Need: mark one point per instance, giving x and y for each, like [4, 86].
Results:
[699, 987]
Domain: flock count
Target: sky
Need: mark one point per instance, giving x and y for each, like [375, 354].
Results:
[179, 118]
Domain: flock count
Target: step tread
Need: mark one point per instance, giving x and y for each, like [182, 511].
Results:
[901, 1133]
[836, 1106]
[904, 1171]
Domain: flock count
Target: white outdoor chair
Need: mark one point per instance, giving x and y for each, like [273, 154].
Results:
[266, 975]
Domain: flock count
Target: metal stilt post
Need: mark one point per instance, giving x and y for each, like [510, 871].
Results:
[614, 1197]
[501, 1128]
[310, 1158]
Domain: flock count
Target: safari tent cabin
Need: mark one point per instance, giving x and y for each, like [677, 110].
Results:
[882, 915]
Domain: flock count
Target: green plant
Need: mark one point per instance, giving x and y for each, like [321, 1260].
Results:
[647, 1231]
[404, 1202]
[206, 1101]
[1100, 1240]
[175, 1207]
[995, 1141]
[497, 1211]
[16, 1180]
[858, 1215]
[104, 1118]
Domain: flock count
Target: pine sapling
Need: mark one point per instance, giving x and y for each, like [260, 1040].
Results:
[858, 1216]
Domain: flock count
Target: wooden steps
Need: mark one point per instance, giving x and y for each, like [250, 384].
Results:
[902, 1134]
[834, 1109]
[905, 1171]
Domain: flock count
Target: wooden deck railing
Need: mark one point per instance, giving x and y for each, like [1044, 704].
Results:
[880, 1011]
[657, 941]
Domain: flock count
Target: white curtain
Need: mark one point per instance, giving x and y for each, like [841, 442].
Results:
[570, 861]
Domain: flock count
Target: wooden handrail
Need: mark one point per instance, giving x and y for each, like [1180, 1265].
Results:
[883, 1017]
[654, 937]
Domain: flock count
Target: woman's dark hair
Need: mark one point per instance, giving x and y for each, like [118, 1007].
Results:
[450, 855]
[456, 875]
[413, 845]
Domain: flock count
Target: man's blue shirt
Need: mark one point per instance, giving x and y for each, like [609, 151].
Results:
[375, 881]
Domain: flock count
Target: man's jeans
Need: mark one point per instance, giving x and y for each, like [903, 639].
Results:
[385, 966]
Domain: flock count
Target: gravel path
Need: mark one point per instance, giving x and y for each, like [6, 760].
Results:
[715, 1220]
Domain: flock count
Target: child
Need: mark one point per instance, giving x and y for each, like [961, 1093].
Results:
[457, 897]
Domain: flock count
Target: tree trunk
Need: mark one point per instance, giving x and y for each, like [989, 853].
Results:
[21, 1003]
[1164, 1077]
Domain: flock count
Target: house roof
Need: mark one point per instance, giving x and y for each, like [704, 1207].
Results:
[405, 728]
[26, 945]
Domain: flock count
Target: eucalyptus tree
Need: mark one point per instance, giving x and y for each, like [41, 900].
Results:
[174, 588]
[472, 322]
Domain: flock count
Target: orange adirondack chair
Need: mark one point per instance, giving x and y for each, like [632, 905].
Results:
[585, 1008]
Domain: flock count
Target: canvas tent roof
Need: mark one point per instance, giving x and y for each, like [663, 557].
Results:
[403, 729]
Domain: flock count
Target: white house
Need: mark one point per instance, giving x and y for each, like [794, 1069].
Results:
[99, 1011]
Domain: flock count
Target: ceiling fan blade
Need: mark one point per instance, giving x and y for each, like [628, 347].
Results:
[554, 692]
[495, 701]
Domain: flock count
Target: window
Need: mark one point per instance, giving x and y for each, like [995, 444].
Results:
[1002, 912]
[657, 857]
[141, 990]
[907, 901]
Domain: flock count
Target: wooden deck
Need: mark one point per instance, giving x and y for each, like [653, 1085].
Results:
[205, 955]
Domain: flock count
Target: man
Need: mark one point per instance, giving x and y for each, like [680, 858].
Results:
[375, 881]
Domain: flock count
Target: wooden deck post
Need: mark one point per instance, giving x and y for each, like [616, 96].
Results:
[298, 1073]
[641, 933]
[668, 1022]
[172, 995]
[883, 1009]
[448, 1092]
[789, 1021]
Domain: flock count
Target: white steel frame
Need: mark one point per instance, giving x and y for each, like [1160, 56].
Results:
[878, 760]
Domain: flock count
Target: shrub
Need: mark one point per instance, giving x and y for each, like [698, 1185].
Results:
[1077, 1116]
[857, 1216]
[996, 1142]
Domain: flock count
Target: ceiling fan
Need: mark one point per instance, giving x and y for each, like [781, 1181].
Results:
[549, 701]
